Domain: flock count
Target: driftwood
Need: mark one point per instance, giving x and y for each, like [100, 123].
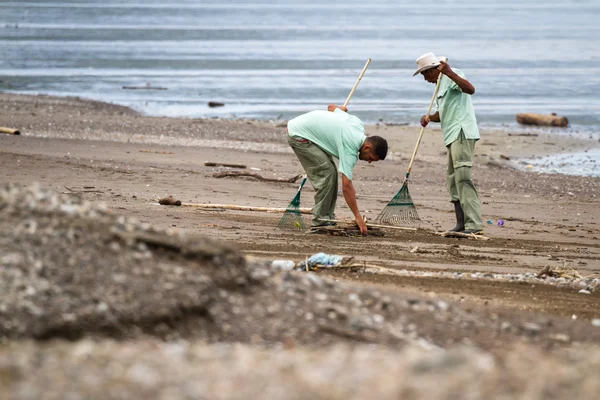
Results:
[169, 201]
[346, 231]
[542, 120]
[147, 87]
[243, 208]
[464, 235]
[218, 164]
[10, 131]
[86, 190]
[369, 225]
[255, 175]
[524, 134]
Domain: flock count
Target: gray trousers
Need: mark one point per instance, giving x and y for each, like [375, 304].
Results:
[322, 174]
[460, 182]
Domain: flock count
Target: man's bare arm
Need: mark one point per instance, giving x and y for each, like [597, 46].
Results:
[462, 83]
[350, 197]
[425, 119]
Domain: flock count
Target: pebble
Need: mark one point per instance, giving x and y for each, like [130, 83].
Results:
[596, 322]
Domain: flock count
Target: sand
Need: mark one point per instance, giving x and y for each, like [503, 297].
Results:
[112, 155]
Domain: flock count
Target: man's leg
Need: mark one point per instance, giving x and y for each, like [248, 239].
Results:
[461, 152]
[453, 190]
[322, 173]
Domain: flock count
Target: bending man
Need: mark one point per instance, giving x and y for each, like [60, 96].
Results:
[318, 136]
[459, 128]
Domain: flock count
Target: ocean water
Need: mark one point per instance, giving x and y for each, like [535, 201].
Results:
[278, 58]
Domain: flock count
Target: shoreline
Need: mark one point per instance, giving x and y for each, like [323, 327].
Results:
[529, 149]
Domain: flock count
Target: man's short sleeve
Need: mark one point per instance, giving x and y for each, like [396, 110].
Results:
[347, 163]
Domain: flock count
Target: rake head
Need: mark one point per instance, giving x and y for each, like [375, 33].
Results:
[292, 218]
[400, 210]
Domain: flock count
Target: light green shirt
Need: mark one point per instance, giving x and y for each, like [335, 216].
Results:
[337, 133]
[456, 111]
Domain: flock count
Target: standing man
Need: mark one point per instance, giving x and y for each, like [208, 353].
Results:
[318, 136]
[454, 110]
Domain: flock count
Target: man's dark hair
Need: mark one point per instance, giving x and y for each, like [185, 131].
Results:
[380, 146]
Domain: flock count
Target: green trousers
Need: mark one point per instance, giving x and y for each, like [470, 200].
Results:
[460, 182]
[322, 174]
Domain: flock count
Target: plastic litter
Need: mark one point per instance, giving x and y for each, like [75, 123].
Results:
[489, 221]
[320, 259]
[500, 222]
[284, 265]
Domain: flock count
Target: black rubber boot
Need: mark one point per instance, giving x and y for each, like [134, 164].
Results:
[460, 218]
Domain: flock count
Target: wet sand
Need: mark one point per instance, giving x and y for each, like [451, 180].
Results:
[110, 154]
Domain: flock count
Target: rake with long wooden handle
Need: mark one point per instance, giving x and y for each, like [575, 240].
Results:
[292, 218]
[357, 82]
[401, 209]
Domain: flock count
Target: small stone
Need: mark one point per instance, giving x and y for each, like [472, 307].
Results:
[596, 322]
[531, 328]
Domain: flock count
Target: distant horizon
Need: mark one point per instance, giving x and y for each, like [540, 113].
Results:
[277, 59]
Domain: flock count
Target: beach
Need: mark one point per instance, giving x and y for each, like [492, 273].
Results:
[488, 291]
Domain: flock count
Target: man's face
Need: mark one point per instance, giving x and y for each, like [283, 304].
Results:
[430, 75]
[367, 154]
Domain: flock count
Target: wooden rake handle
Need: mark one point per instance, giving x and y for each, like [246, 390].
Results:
[412, 159]
[357, 81]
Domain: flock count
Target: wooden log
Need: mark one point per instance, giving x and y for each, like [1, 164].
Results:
[244, 208]
[463, 235]
[369, 225]
[542, 120]
[10, 131]
[218, 164]
[169, 201]
[257, 176]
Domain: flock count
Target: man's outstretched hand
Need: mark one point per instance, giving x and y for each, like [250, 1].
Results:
[361, 225]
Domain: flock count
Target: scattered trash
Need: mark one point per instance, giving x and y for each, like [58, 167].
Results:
[583, 291]
[559, 272]
[322, 260]
[596, 322]
[500, 222]
[415, 249]
[284, 265]
[489, 221]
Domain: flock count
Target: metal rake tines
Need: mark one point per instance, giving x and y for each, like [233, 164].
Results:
[292, 219]
[400, 210]
[396, 216]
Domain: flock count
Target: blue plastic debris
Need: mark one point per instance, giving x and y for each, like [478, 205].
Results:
[320, 259]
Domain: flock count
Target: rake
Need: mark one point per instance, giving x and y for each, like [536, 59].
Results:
[401, 210]
[292, 219]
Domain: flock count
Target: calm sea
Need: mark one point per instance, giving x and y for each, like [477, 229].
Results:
[278, 58]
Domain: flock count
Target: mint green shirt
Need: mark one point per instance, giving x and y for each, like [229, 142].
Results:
[456, 111]
[337, 133]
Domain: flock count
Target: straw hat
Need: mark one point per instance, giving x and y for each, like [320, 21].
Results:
[427, 61]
